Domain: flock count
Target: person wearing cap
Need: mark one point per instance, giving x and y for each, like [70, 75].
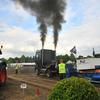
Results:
[62, 69]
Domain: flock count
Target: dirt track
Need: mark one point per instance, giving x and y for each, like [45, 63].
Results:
[32, 79]
[12, 91]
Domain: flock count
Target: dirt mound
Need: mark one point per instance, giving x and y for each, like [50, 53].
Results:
[21, 70]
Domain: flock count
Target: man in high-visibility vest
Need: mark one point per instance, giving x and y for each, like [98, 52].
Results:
[16, 69]
[62, 69]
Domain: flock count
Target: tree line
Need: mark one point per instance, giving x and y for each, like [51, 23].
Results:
[65, 58]
[32, 59]
[19, 59]
[73, 58]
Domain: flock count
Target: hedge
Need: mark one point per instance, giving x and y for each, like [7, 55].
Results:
[73, 88]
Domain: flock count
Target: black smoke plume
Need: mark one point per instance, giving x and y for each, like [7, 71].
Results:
[48, 13]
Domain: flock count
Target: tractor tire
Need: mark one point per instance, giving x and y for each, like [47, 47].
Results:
[37, 71]
[49, 73]
[3, 75]
[81, 76]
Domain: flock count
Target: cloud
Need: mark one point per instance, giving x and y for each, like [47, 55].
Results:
[16, 39]
[20, 19]
[32, 42]
[9, 46]
[27, 49]
[82, 30]
[12, 12]
[84, 37]
[82, 27]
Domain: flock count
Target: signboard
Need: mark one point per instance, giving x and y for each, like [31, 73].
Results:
[23, 86]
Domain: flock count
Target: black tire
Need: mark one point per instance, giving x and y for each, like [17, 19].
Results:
[3, 75]
[49, 73]
[80, 76]
[37, 71]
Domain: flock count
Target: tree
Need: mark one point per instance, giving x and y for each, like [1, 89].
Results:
[10, 60]
[80, 57]
[97, 55]
[65, 58]
[30, 59]
[3, 59]
[17, 59]
[89, 56]
[22, 59]
[26, 59]
[58, 59]
[72, 57]
[33, 58]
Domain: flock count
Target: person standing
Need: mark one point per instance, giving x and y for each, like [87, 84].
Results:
[16, 69]
[62, 69]
[0, 51]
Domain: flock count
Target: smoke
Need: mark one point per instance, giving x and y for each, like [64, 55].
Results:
[43, 30]
[48, 13]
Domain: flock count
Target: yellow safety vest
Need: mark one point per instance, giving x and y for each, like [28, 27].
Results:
[16, 67]
[62, 68]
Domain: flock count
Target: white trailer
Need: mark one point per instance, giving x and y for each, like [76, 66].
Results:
[88, 63]
[89, 68]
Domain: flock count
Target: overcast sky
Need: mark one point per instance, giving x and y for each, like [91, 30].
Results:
[19, 33]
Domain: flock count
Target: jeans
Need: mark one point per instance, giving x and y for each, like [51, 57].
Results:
[62, 75]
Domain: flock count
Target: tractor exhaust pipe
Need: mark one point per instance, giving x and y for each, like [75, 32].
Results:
[55, 54]
[42, 55]
[55, 57]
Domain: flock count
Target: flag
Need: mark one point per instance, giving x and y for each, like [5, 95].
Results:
[73, 50]
[93, 52]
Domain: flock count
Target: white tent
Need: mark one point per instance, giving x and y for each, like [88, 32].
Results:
[69, 62]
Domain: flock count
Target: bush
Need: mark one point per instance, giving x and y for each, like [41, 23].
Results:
[73, 89]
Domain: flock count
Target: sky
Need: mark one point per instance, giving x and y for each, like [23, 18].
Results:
[19, 32]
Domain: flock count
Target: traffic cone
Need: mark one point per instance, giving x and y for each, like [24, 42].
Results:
[37, 93]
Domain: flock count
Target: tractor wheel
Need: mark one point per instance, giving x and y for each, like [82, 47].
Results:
[80, 76]
[49, 73]
[2, 75]
[37, 71]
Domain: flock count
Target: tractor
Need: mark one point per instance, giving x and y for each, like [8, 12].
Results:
[3, 73]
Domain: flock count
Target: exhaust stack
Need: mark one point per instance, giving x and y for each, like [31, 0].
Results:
[42, 56]
[55, 57]
[55, 54]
